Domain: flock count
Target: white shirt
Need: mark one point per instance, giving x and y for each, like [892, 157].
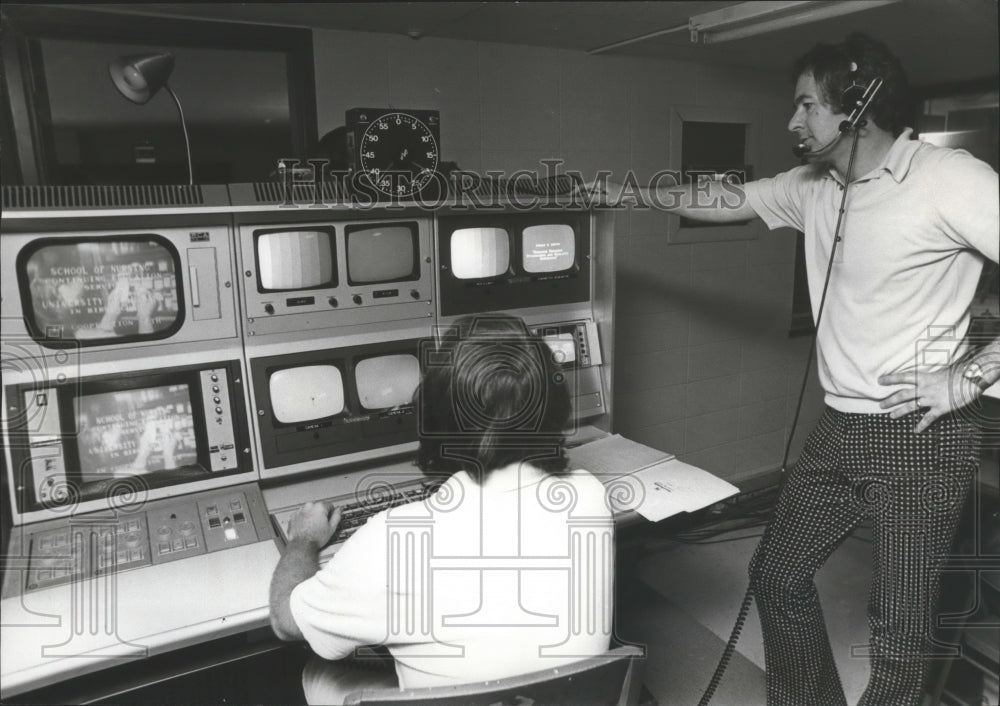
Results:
[915, 233]
[474, 583]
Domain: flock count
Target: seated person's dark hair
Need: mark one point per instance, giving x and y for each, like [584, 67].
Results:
[830, 65]
[491, 395]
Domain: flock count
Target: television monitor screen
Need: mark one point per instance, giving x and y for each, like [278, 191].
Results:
[548, 248]
[307, 393]
[479, 253]
[387, 381]
[101, 288]
[381, 253]
[296, 259]
[132, 432]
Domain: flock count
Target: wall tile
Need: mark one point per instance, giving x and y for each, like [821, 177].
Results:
[711, 429]
[760, 385]
[712, 395]
[762, 417]
[648, 407]
[667, 437]
[639, 370]
[713, 360]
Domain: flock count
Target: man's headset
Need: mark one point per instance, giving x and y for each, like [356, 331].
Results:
[854, 102]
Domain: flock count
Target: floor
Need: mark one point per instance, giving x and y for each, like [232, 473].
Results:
[685, 601]
[680, 599]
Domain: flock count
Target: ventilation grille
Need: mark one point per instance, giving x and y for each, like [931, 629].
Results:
[278, 192]
[77, 197]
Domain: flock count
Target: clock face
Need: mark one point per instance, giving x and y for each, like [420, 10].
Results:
[398, 154]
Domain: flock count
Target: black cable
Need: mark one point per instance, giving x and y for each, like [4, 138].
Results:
[748, 596]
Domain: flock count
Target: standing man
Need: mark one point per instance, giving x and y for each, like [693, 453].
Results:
[892, 445]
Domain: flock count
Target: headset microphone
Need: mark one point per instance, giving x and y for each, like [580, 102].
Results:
[854, 102]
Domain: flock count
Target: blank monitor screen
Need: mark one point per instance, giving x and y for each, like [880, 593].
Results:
[387, 381]
[131, 432]
[478, 253]
[548, 248]
[307, 393]
[384, 253]
[102, 288]
[300, 259]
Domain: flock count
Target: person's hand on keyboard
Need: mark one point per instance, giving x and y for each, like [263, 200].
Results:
[314, 523]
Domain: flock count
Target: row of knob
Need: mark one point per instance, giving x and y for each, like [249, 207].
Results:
[332, 301]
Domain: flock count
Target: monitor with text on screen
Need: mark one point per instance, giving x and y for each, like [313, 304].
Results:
[118, 289]
[326, 407]
[74, 443]
[512, 261]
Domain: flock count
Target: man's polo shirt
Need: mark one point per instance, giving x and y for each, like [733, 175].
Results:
[913, 241]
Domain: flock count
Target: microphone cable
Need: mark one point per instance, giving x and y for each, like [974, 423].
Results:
[744, 611]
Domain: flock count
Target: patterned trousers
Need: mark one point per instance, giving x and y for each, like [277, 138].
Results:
[912, 487]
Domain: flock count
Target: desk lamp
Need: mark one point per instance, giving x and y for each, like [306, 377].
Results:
[139, 76]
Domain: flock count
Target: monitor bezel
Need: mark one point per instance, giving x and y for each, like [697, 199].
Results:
[27, 304]
[353, 431]
[157, 484]
[516, 289]
[411, 226]
[330, 231]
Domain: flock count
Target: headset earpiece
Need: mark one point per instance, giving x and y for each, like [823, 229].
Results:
[853, 96]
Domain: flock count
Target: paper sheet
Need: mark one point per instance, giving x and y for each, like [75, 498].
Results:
[614, 455]
[672, 486]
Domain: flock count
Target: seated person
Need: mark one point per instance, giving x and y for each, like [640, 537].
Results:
[506, 569]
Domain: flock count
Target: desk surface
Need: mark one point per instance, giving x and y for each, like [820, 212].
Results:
[57, 633]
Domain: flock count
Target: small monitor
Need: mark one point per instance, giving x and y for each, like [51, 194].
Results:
[307, 393]
[296, 259]
[123, 288]
[562, 346]
[137, 431]
[387, 381]
[382, 253]
[479, 253]
[548, 248]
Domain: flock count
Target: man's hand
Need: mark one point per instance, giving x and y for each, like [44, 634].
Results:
[314, 523]
[939, 392]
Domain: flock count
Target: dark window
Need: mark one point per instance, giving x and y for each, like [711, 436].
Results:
[247, 92]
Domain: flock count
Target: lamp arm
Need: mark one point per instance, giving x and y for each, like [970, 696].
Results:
[187, 143]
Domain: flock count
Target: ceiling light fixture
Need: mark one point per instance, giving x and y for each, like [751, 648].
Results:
[749, 19]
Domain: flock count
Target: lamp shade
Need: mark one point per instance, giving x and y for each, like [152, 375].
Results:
[139, 76]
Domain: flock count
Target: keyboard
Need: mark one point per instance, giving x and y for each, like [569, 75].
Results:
[355, 513]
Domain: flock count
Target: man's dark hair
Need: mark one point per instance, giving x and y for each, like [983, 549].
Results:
[830, 66]
[491, 395]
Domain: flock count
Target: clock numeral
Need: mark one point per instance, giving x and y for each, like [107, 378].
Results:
[430, 155]
[370, 155]
[425, 138]
[383, 125]
[373, 138]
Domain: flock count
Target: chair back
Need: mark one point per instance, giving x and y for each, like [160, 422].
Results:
[611, 679]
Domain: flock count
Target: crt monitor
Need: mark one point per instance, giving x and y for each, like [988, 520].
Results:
[100, 289]
[336, 272]
[495, 262]
[381, 253]
[323, 407]
[294, 260]
[79, 442]
[118, 289]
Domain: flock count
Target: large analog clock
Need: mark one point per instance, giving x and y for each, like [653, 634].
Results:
[394, 151]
